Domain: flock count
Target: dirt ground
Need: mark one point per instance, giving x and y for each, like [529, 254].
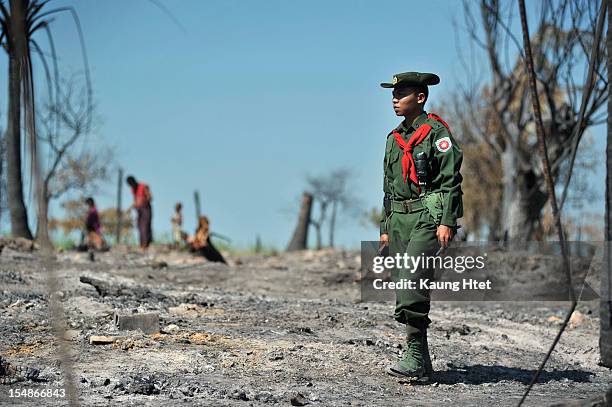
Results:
[272, 330]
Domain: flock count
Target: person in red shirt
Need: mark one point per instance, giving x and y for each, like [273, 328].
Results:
[142, 204]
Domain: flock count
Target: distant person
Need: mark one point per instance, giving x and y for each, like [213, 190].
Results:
[95, 240]
[177, 223]
[200, 244]
[142, 204]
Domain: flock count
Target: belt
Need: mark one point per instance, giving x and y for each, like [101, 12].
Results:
[407, 206]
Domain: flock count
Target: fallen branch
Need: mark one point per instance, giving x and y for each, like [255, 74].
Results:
[106, 289]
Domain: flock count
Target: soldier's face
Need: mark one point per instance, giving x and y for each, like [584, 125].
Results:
[407, 101]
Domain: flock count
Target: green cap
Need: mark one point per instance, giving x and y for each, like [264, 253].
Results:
[412, 78]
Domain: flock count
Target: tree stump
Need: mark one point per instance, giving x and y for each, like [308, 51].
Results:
[299, 240]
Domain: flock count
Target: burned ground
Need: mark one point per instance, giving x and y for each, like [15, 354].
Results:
[272, 330]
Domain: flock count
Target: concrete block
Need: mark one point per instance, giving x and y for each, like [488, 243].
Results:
[146, 322]
[101, 339]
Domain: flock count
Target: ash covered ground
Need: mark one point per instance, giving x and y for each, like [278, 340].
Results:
[271, 330]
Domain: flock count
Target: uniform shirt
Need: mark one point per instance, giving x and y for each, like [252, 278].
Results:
[444, 166]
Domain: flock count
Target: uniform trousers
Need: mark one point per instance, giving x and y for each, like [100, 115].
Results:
[414, 234]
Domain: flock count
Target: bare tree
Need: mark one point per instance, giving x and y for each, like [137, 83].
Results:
[498, 112]
[64, 129]
[331, 192]
[318, 222]
[20, 23]
[340, 198]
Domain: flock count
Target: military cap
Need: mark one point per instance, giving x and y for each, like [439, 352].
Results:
[412, 78]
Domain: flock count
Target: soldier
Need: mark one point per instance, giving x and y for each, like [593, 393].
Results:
[422, 187]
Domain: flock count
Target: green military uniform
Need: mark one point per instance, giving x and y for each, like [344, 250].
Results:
[413, 213]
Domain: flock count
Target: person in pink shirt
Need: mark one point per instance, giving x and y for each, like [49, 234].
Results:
[142, 204]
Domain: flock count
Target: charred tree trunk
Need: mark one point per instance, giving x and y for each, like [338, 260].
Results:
[605, 308]
[522, 200]
[318, 224]
[42, 230]
[332, 223]
[198, 209]
[258, 244]
[509, 167]
[299, 240]
[17, 209]
[525, 209]
[2, 176]
[119, 210]
[319, 243]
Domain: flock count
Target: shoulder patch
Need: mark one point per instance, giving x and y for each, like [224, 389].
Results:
[435, 124]
[444, 144]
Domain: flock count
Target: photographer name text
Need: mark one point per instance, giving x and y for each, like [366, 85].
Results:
[427, 284]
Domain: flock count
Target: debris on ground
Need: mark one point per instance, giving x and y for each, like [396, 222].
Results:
[161, 329]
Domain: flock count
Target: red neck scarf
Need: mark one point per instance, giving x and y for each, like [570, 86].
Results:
[418, 136]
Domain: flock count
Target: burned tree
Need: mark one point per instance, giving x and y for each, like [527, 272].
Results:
[299, 240]
[498, 114]
[16, 35]
[63, 127]
[20, 23]
[605, 306]
[332, 193]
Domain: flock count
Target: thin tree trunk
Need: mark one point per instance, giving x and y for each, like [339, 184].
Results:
[2, 179]
[299, 240]
[258, 244]
[509, 169]
[605, 307]
[319, 224]
[198, 209]
[119, 213]
[17, 209]
[42, 229]
[332, 223]
[550, 188]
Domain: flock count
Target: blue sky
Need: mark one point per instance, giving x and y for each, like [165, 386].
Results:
[250, 97]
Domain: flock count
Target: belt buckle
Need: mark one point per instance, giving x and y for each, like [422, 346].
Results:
[407, 206]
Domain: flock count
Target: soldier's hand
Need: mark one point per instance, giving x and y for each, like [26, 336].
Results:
[444, 234]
